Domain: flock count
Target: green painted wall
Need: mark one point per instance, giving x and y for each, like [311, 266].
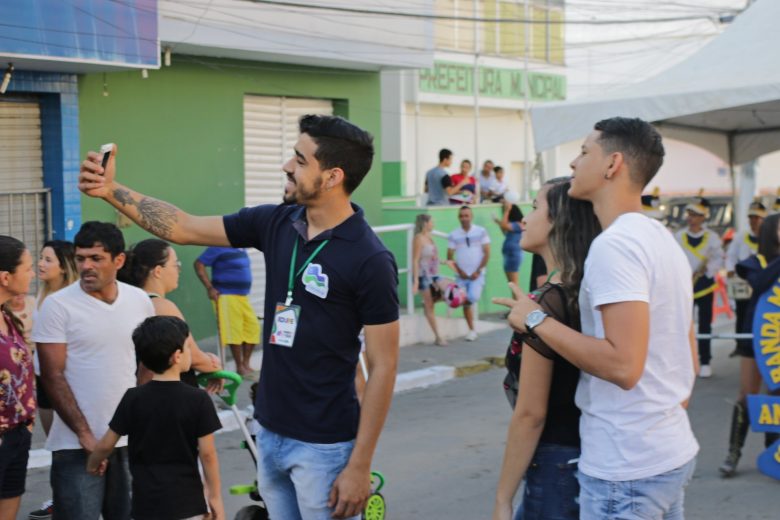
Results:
[445, 219]
[180, 138]
[393, 178]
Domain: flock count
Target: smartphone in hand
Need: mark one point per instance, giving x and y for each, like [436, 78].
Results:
[105, 151]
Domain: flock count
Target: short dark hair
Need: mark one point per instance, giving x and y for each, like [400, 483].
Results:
[464, 207]
[340, 144]
[157, 338]
[444, 154]
[465, 161]
[95, 233]
[768, 244]
[638, 141]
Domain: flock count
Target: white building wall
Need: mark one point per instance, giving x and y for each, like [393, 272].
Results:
[500, 139]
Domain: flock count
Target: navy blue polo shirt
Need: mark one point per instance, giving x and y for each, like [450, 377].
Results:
[307, 391]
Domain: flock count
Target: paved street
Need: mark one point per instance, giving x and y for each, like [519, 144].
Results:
[442, 446]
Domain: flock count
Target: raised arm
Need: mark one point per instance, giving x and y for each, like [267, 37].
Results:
[53, 357]
[156, 216]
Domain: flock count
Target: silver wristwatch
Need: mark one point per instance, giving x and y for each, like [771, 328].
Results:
[534, 319]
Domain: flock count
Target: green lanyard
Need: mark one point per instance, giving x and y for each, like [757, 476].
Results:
[288, 301]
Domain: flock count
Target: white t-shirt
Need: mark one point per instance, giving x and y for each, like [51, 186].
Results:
[100, 364]
[642, 432]
[468, 247]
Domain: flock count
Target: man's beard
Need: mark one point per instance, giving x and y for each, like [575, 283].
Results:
[300, 195]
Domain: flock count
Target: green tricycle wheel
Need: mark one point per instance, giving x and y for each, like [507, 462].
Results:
[375, 507]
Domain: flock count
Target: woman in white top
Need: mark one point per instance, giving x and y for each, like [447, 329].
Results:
[425, 270]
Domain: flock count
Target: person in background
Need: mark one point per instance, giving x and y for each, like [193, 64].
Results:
[499, 186]
[486, 179]
[17, 378]
[543, 441]
[468, 252]
[56, 270]
[229, 288]
[170, 426]
[511, 216]
[425, 271]
[651, 205]
[761, 271]
[703, 249]
[742, 247]
[438, 183]
[152, 265]
[466, 194]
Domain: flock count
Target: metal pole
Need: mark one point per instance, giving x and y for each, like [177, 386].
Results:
[409, 273]
[526, 131]
[475, 85]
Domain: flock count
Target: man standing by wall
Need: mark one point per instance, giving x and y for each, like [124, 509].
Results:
[704, 251]
[327, 275]
[468, 251]
[228, 288]
[85, 347]
[438, 183]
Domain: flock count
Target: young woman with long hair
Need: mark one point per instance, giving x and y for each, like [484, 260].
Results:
[153, 266]
[761, 271]
[17, 378]
[543, 442]
[425, 270]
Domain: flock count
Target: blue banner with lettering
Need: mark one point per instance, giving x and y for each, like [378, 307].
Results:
[764, 410]
[93, 31]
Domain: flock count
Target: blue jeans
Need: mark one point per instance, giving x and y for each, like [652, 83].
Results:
[653, 498]
[551, 486]
[295, 478]
[81, 496]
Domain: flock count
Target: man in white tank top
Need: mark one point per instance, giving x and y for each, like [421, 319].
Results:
[636, 351]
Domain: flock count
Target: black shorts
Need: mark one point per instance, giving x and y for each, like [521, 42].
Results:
[40, 395]
[14, 452]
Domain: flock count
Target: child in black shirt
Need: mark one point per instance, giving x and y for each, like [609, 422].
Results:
[169, 426]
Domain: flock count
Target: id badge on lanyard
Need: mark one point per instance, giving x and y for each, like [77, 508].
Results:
[287, 316]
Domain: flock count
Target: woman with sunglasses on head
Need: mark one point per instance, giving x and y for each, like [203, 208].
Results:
[153, 266]
[17, 378]
[543, 442]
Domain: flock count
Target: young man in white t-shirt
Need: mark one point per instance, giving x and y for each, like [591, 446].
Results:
[468, 252]
[637, 350]
[84, 338]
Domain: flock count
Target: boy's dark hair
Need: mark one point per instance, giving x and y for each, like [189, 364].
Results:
[464, 207]
[340, 144]
[95, 233]
[638, 141]
[157, 338]
[444, 154]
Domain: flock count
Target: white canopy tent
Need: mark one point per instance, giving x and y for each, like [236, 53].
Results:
[724, 98]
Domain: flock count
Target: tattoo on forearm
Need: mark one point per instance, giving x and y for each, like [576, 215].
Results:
[155, 216]
[123, 197]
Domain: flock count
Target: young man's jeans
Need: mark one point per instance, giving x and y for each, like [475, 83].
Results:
[551, 488]
[81, 496]
[654, 498]
[295, 478]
